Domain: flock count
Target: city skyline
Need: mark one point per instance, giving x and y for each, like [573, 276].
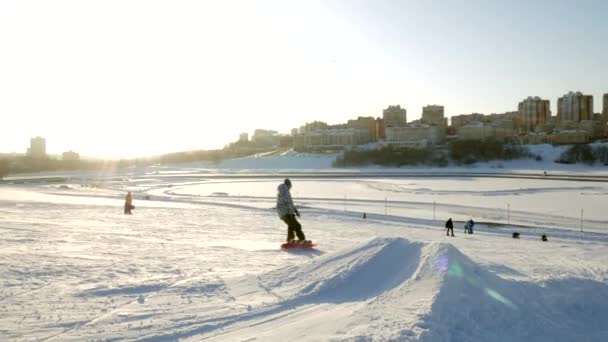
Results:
[576, 121]
[129, 79]
[552, 115]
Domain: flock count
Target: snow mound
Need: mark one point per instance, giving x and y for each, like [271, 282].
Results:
[395, 289]
[470, 303]
[355, 274]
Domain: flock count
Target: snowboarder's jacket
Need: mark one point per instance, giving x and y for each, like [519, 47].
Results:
[284, 202]
[129, 199]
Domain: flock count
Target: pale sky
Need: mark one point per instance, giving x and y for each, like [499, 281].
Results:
[137, 78]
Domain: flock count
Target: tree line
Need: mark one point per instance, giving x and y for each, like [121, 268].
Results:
[458, 152]
[26, 164]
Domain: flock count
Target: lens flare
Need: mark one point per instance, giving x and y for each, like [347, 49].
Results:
[442, 263]
[497, 296]
[454, 269]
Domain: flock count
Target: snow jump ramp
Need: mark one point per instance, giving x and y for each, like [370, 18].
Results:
[395, 289]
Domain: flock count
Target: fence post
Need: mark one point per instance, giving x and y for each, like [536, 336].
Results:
[385, 213]
[582, 211]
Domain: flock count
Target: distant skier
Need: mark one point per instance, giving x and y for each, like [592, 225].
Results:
[129, 203]
[468, 227]
[449, 225]
[288, 212]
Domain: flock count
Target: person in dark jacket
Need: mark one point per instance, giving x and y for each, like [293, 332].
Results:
[288, 212]
[468, 227]
[449, 225]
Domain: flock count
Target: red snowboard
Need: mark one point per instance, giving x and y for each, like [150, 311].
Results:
[287, 245]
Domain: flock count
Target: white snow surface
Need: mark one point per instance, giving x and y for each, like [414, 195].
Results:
[292, 160]
[200, 260]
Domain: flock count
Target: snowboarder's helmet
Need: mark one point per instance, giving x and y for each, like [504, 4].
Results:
[287, 182]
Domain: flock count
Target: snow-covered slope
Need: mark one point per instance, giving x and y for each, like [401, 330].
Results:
[394, 289]
[285, 161]
[291, 160]
[194, 267]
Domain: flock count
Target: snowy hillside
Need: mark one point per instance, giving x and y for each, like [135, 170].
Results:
[291, 160]
[200, 260]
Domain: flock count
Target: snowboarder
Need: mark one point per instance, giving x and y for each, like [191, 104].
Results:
[468, 227]
[129, 203]
[288, 212]
[449, 225]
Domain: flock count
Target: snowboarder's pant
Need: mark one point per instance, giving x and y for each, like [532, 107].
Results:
[293, 226]
[448, 231]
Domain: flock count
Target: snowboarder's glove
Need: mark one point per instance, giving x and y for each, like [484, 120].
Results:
[297, 212]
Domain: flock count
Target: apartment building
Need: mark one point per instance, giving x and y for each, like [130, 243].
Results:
[574, 106]
[533, 111]
[394, 116]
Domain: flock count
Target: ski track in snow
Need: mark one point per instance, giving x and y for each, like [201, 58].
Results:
[193, 267]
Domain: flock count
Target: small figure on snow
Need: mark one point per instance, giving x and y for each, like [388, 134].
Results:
[129, 203]
[449, 225]
[468, 227]
[288, 212]
[544, 238]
